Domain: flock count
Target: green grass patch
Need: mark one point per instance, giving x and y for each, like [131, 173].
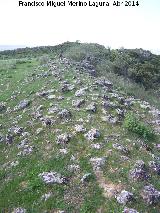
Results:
[133, 124]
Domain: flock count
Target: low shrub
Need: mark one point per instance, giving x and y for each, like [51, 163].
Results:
[133, 124]
[43, 59]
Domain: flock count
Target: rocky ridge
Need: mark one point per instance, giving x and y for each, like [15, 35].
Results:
[68, 118]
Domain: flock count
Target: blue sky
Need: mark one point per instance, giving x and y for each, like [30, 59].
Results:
[129, 27]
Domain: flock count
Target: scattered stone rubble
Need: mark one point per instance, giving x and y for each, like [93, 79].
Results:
[139, 172]
[98, 163]
[105, 83]
[9, 139]
[120, 148]
[128, 210]
[108, 105]
[96, 146]
[1, 138]
[46, 196]
[92, 134]
[63, 138]
[109, 119]
[78, 103]
[52, 177]
[22, 105]
[86, 65]
[91, 107]
[80, 92]
[2, 106]
[66, 87]
[86, 177]
[124, 197]
[64, 114]
[73, 168]
[150, 195]
[113, 108]
[19, 210]
[16, 130]
[47, 121]
[53, 109]
[155, 167]
[80, 128]
[26, 148]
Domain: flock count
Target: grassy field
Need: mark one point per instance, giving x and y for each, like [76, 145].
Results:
[20, 184]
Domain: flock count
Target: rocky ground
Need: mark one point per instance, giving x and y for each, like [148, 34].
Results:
[63, 146]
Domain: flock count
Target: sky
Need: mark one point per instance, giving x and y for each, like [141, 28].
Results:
[128, 27]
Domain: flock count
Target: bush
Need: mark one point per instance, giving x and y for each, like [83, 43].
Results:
[44, 59]
[22, 61]
[6, 65]
[79, 52]
[133, 124]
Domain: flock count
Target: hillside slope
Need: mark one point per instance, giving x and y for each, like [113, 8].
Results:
[72, 141]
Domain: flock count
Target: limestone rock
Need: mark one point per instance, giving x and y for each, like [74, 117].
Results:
[124, 197]
[80, 92]
[46, 196]
[73, 168]
[2, 106]
[64, 114]
[86, 177]
[98, 163]
[155, 167]
[63, 138]
[91, 107]
[78, 103]
[92, 134]
[19, 210]
[22, 105]
[50, 97]
[52, 177]
[1, 138]
[53, 110]
[96, 145]
[9, 139]
[128, 210]
[120, 148]
[139, 171]
[110, 119]
[150, 195]
[79, 128]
